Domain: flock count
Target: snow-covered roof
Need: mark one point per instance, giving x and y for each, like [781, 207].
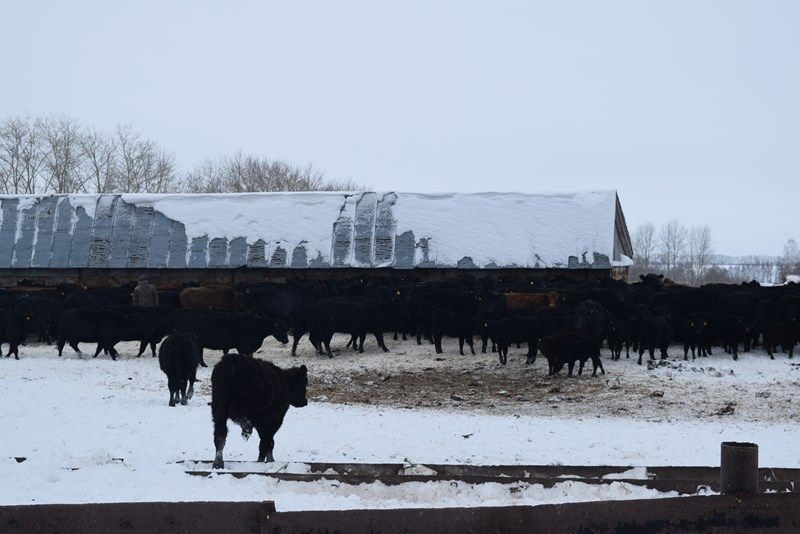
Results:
[312, 230]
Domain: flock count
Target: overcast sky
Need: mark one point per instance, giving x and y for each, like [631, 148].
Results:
[690, 109]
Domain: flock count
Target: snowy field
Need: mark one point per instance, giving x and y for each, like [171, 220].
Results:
[101, 431]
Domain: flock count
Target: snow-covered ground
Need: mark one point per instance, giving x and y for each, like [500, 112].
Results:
[101, 431]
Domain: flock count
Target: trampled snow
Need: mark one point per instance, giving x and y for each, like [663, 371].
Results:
[94, 430]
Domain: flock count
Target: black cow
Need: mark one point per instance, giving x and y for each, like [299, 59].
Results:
[455, 324]
[323, 318]
[13, 330]
[225, 330]
[654, 332]
[42, 315]
[162, 321]
[590, 318]
[178, 357]
[516, 329]
[727, 331]
[689, 331]
[104, 326]
[253, 394]
[619, 335]
[568, 347]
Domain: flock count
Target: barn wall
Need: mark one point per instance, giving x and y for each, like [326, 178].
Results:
[206, 276]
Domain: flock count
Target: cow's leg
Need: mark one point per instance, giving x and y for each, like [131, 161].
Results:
[471, 346]
[461, 345]
[580, 367]
[266, 433]
[437, 341]
[173, 391]
[74, 345]
[641, 353]
[142, 347]
[190, 393]
[153, 348]
[60, 344]
[531, 356]
[220, 433]
[327, 347]
[484, 343]
[570, 367]
[97, 351]
[296, 336]
[200, 356]
[381, 343]
[14, 347]
[225, 351]
[184, 399]
[597, 362]
[113, 352]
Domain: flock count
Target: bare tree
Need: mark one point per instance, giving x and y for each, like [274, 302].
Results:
[64, 157]
[241, 173]
[672, 244]
[644, 243]
[143, 166]
[22, 155]
[790, 260]
[700, 249]
[99, 152]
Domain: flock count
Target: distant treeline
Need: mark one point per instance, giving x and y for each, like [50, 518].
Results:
[686, 255]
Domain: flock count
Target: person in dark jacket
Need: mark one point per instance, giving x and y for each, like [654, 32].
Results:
[145, 294]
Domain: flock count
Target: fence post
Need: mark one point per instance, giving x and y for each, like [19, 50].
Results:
[738, 471]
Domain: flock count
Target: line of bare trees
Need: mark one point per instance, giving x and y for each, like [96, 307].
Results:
[686, 255]
[683, 253]
[58, 154]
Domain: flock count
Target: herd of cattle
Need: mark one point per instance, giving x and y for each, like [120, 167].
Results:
[567, 321]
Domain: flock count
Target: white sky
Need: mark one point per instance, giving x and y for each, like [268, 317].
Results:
[690, 109]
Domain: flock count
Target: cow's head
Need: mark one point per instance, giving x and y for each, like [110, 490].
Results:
[651, 280]
[279, 329]
[297, 379]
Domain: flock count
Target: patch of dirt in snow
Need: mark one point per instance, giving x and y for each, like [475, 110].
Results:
[413, 376]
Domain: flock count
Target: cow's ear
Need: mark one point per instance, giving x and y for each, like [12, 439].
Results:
[661, 276]
[641, 277]
[303, 369]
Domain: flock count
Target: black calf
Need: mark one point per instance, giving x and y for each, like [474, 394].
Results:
[178, 357]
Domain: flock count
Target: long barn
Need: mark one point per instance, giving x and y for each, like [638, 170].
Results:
[229, 238]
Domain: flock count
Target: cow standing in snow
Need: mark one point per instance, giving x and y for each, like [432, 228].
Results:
[178, 357]
[253, 394]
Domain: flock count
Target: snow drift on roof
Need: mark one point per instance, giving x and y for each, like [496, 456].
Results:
[320, 229]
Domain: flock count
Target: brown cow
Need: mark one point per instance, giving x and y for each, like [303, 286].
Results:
[24, 291]
[528, 302]
[209, 297]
